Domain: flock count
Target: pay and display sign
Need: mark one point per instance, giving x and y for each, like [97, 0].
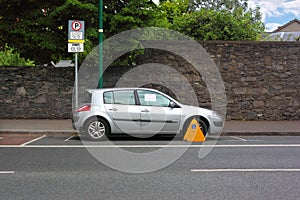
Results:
[75, 36]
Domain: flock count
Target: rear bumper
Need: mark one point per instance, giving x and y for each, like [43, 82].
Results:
[75, 121]
[73, 124]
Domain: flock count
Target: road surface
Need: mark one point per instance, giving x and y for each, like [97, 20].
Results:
[236, 168]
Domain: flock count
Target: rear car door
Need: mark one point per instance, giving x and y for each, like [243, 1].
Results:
[121, 107]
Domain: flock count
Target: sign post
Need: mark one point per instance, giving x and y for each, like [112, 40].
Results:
[100, 82]
[75, 45]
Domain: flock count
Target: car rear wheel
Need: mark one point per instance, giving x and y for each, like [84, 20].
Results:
[96, 129]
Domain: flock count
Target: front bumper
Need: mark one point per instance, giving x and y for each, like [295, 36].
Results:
[217, 124]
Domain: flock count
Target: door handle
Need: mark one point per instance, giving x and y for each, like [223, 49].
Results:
[113, 109]
[146, 111]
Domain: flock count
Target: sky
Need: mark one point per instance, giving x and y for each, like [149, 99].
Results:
[275, 12]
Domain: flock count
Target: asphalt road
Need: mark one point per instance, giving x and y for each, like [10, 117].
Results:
[235, 168]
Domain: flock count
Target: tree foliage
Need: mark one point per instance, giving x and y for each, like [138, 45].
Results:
[228, 5]
[38, 29]
[215, 19]
[137, 14]
[219, 25]
[218, 4]
[174, 9]
[9, 57]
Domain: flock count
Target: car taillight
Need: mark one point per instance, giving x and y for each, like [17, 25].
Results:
[84, 108]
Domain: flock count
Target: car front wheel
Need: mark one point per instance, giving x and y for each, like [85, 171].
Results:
[203, 126]
[96, 129]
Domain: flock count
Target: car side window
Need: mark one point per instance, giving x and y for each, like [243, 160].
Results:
[124, 97]
[108, 97]
[150, 98]
[87, 97]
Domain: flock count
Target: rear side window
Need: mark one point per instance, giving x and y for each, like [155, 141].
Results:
[108, 97]
[124, 97]
[87, 97]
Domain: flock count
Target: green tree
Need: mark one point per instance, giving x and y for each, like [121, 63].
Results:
[9, 57]
[38, 29]
[216, 19]
[229, 5]
[218, 4]
[137, 14]
[174, 9]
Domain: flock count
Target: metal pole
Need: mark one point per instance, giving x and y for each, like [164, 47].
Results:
[100, 83]
[76, 80]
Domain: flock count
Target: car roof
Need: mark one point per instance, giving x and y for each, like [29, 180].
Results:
[115, 89]
[102, 90]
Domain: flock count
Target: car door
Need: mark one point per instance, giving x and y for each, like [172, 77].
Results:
[121, 107]
[156, 114]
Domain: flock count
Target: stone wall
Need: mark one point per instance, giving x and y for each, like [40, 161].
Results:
[261, 81]
[36, 92]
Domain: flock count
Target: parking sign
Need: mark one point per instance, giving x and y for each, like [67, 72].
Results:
[75, 36]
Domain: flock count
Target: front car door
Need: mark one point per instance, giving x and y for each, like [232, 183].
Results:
[156, 114]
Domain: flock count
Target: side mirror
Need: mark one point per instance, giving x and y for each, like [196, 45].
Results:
[172, 104]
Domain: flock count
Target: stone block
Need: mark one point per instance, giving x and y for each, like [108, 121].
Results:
[242, 90]
[259, 104]
[21, 91]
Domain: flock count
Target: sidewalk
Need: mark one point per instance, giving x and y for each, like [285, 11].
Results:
[284, 128]
[64, 127]
[37, 126]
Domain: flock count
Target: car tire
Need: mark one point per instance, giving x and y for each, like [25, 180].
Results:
[96, 129]
[201, 123]
[203, 126]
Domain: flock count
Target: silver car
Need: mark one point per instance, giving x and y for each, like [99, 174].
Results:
[139, 111]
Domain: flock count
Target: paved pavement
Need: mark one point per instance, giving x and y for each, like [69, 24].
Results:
[64, 127]
[37, 126]
[262, 128]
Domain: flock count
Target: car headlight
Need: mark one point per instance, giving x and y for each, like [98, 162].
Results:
[216, 119]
